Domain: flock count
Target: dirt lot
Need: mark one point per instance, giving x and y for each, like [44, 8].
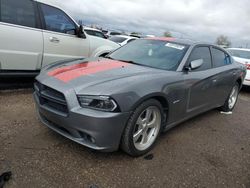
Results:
[212, 150]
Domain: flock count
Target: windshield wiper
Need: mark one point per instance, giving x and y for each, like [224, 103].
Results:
[126, 61]
[130, 61]
[108, 57]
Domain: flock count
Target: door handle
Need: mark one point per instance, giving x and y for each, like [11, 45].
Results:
[54, 39]
[214, 81]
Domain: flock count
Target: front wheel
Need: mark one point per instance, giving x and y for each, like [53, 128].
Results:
[143, 128]
[232, 99]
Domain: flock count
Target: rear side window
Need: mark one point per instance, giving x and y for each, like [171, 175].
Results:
[18, 12]
[56, 20]
[201, 53]
[220, 58]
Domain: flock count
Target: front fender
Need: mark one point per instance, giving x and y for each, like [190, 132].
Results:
[102, 50]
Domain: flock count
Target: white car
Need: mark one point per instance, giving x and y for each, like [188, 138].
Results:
[95, 32]
[242, 55]
[122, 39]
[34, 34]
[111, 33]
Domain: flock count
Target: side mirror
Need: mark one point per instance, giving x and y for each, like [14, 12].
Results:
[196, 64]
[80, 33]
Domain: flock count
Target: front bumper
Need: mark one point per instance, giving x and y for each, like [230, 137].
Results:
[94, 129]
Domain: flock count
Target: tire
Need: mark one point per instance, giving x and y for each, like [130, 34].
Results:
[229, 105]
[143, 128]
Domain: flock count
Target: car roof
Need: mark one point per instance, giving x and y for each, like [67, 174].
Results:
[240, 49]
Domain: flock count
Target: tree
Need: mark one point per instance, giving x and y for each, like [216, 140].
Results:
[223, 40]
[167, 34]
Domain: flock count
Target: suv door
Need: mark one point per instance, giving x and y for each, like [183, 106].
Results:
[199, 82]
[21, 45]
[60, 39]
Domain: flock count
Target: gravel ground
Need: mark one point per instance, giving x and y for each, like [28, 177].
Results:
[211, 150]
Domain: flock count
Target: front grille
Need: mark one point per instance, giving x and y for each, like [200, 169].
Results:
[51, 98]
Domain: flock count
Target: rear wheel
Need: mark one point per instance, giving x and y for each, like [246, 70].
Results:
[232, 99]
[143, 128]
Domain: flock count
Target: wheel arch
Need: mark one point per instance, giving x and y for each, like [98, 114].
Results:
[157, 96]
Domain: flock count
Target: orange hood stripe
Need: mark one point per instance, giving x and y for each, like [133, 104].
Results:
[71, 72]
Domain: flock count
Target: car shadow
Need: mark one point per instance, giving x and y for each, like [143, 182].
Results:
[10, 83]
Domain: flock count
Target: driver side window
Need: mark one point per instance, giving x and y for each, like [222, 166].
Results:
[201, 53]
[57, 21]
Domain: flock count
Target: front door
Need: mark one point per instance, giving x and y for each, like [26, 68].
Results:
[199, 82]
[60, 40]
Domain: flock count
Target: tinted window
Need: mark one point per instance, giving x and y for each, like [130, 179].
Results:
[152, 53]
[99, 34]
[18, 12]
[56, 20]
[202, 53]
[95, 33]
[114, 33]
[220, 58]
[117, 39]
[240, 53]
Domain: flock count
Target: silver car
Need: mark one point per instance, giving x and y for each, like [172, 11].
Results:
[128, 98]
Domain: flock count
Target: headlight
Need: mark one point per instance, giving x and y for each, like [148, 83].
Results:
[98, 102]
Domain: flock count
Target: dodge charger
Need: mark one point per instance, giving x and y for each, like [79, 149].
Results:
[126, 99]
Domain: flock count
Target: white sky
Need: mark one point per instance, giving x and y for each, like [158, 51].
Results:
[196, 19]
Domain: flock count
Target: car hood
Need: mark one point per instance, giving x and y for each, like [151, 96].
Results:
[98, 75]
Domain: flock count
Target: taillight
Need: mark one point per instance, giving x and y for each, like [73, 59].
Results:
[248, 66]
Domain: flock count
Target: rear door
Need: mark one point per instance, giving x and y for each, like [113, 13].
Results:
[199, 82]
[60, 40]
[21, 39]
[225, 75]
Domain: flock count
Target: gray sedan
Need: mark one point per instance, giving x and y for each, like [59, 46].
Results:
[128, 98]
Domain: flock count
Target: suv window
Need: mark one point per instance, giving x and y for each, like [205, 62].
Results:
[56, 20]
[220, 58]
[201, 53]
[18, 12]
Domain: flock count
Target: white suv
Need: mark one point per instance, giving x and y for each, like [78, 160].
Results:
[34, 34]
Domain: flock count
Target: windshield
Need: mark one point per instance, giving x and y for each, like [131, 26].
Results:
[153, 53]
[117, 39]
[240, 53]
